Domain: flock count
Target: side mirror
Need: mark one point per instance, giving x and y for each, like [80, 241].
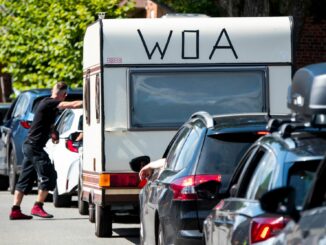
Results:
[137, 163]
[280, 201]
[233, 190]
[208, 190]
[55, 136]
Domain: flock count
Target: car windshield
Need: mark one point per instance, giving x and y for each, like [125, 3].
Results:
[221, 153]
[300, 178]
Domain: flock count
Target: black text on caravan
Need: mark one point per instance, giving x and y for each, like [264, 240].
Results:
[196, 47]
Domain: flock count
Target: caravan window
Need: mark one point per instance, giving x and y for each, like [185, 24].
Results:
[165, 98]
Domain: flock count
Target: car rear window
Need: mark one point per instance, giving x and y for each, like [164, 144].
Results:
[221, 153]
[300, 177]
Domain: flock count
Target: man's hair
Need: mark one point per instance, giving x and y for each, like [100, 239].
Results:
[60, 87]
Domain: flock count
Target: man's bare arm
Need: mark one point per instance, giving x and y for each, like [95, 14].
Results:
[70, 104]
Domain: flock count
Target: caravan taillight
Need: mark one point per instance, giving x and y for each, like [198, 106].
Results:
[119, 180]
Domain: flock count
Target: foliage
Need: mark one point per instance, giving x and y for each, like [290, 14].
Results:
[208, 7]
[41, 41]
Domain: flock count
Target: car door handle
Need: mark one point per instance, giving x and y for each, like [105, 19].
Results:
[220, 222]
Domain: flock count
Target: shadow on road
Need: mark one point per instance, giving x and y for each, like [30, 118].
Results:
[131, 234]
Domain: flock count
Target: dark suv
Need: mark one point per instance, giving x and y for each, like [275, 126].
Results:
[199, 162]
[14, 131]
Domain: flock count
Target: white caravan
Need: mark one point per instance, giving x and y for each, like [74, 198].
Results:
[144, 77]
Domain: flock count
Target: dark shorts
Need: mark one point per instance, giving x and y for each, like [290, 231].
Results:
[36, 166]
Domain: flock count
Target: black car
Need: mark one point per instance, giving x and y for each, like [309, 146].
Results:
[308, 226]
[288, 157]
[14, 132]
[199, 162]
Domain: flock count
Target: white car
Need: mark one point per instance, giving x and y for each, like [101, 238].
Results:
[64, 153]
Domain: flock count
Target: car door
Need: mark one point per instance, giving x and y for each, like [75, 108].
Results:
[236, 213]
[154, 187]
[4, 128]
[60, 156]
[311, 228]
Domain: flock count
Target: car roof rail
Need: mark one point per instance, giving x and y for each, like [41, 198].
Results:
[205, 116]
[287, 129]
[275, 123]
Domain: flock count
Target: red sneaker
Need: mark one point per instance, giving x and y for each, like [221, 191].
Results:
[16, 213]
[38, 210]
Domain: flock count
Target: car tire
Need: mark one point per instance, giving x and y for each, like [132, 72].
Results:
[13, 177]
[82, 205]
[60, 201]
[91, 213]
[4, 183]
[141, 234]
[103, 221]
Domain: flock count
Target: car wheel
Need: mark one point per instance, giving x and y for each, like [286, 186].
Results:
[61, 200]
[141, 233]
[12, 171]
[4, 183]
[103, 221]
[82, 205]
[91, 213]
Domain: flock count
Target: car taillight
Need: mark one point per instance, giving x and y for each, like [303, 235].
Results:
[25, 124]
[71, 146]
[184, 188]
[119, 180]
[264, 228]
[263, 132]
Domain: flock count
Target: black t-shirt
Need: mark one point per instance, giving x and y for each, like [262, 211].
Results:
[44, 118]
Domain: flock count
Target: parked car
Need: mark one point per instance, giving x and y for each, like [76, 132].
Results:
[307, 225]
[273, 161]
[4, 107]
[15, 128]
[64, 153]
[288, 157]
[199, 161]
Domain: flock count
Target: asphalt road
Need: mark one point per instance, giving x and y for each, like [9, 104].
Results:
[67, 227]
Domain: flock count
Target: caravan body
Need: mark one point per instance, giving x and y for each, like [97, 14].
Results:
[144, 77]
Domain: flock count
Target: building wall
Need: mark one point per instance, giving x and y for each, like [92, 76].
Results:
[312, 43]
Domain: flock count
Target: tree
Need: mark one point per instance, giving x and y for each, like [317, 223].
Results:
[41, 41]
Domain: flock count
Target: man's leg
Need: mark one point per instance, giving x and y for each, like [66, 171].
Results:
[41, 196]
[47, 181]
[18, 198]
[24, 185]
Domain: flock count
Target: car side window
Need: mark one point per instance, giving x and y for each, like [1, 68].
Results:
[300, 177]
[21, 106]
[262, 176]
[65, 122]
[190, 149]
[80, 123]
[176, 147]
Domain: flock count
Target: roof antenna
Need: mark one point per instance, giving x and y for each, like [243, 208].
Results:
[101, 15]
